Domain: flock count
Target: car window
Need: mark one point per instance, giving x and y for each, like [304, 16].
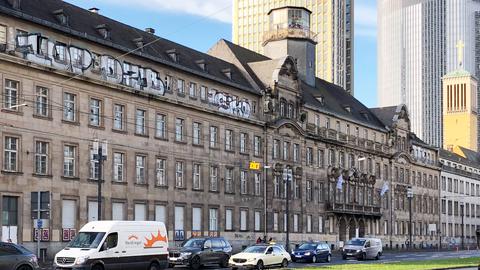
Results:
[225, 243]
[277, 251]
[112, 240]
[325, 246]
[6, 250]
[269, 250]
[217, 243]
[208, 244]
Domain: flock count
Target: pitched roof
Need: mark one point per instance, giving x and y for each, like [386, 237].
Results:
[82, 23]
[385, 114]
[470, 160]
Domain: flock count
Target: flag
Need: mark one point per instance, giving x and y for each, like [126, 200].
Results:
[384, 189]
[340, 182]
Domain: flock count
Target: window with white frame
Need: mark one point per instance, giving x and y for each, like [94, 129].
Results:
[181, 86]
[309, 156]
[213, 220]
[228, 219]
[296, 152]
[41, 157]
[196, 219]
[118, 211]
[213, 178]
[320, 224]
[285, 222]
[179, 167]
[140, 122]
[257, 145]
[11, 94]
[161, 126]
[213, 136]
[141, 163]
[161, 165]
[94, 166]
[229, 185]
[3, 35]
[276, 186]
[243, 142]
[228, 140]
[118, 167]
[140, 212]
[197, 133]
[69, 107]
[286, 150]
[275, 148]
[69, 214]
[320, 158]
[95, 111]
[275, 222]
[92, 211]
[243, 182]
[258, 184]
[41, 101]
[119, 117]
[203, 92]
[309, 191]
[179, 218]
[69, 160]
[258, 222]
[197, 176]
[179, 129]
[295, 222]
[193, 89]
[161, 213]
[331, 157]
[243, 220]
[309, 223]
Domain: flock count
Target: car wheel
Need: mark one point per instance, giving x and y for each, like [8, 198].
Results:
[170, 265]
[224, 262]
[24, 267]
[314, 259]
[260, 265]
[97, 267]
[329, 258]
[344, 257]
[154, 266]
[195, 263]
[284, 263]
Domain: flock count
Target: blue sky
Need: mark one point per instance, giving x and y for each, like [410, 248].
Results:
[200, 23]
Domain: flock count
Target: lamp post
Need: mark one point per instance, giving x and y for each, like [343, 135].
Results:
[462, 213]
[287, 177]
[100, 155]
[410, 196]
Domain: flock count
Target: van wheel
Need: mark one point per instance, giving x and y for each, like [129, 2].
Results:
[378, 256]
[364, 257]
[97, 267]
[195, 263]
[224, 262]
[154, 266]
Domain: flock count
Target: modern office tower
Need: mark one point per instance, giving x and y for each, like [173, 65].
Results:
[331, 22]
[419, 41]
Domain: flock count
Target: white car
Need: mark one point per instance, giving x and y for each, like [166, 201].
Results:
[260, 257]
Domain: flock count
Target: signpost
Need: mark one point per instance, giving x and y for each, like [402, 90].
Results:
[287, 178]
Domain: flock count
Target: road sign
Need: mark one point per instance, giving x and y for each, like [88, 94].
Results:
[39, 223]
[254, 165]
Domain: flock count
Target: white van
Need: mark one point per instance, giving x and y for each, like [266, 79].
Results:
[363, 248]
[105, 245]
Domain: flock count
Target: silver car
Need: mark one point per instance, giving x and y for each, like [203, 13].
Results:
[363, 249]
[16, 257]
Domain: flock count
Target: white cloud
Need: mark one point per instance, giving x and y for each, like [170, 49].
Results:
[219, 10]
[366, 18]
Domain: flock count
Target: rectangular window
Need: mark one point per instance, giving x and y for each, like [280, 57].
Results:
[197, 133]
[258, 220]
[179, 218]
[161, 178]
[309, 224]
[140, 212]
[118, 167]
[228, 219]
[197, 176]
[179, 174]
[203, 92]
[309, 156]
[213, 178]
[257, 146]
[243, 220]
[179, 124]
[161, 213]
[118, 211]
[181, 86]
[320, 224]
[41, 101]
[243, 142]
[309, 191]
[41, 157]
[11, 95]
[94, 166]
[275, 148]
[69, 107]
[9, 211]
[229, 185]
[44, 204]
[331, 157]
[295, 222]
[196, 219]
[229, 140]
[275, 222]
[243, 182]
[68, 214]
[213, 220]
[192, 90]
[213, 137]
[95, 112]
[321, 192]
[286, 150]
[296, 152]
[141, 163]
[320, 158]
[258, 184]
[119, 117]
[69, 161]
[3, 35]
[92, 211]
[276, 186]
[140, 122]
[161, 126]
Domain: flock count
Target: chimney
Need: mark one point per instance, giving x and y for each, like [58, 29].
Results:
[15, 3]
[150, 30]
[94, 10]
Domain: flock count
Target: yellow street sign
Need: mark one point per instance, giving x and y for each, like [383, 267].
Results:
[254, 165]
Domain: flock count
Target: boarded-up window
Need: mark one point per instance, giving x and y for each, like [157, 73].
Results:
[140, 211]
[179, 216]
[118, 211]
[68, 214]
[196, 219]
[92, 211]
[228, 219]
[161, 213]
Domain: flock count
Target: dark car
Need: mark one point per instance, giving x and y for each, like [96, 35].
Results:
[312, 252]
[16, 257]
[196, 252]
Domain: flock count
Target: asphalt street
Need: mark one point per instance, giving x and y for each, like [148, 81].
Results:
[387, 257]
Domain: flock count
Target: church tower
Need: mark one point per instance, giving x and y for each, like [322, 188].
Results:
[289, 35]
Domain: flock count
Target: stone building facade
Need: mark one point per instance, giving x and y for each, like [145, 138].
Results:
[182, 129]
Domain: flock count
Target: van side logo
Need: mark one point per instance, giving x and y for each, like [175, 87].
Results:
[132, 237]
[155, 238]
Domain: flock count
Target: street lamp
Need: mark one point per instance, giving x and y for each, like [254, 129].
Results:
[100, 155]
[462, 209]
[287, 178]
[410, 196]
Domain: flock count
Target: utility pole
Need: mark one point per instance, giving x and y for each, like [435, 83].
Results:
[462, 210]
[100, 155]
[39, 223]
[410, 196]
[287, 177]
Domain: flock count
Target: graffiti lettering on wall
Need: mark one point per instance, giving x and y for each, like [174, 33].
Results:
[41, 50]
[230, 104]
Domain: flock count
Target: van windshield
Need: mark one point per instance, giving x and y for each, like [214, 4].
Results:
[87, 240]
[356, 242]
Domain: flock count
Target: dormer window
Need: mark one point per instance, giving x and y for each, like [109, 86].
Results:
[365, 115]
[103, 30]
[201, 64]
[61, 17]
[321, 99]
[228, 73]
[15, 3]
[173, 55]
[348, 108]
[138, 42]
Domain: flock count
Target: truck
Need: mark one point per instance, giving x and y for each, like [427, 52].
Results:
[105, 245]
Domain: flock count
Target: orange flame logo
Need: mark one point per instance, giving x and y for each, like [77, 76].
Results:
[158, 238]
[132, 237]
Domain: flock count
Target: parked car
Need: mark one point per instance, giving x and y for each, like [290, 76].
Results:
[116, 245]
[260, 256]
[196, 252]
[16, 257]
[312, 252]
[363, 248]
